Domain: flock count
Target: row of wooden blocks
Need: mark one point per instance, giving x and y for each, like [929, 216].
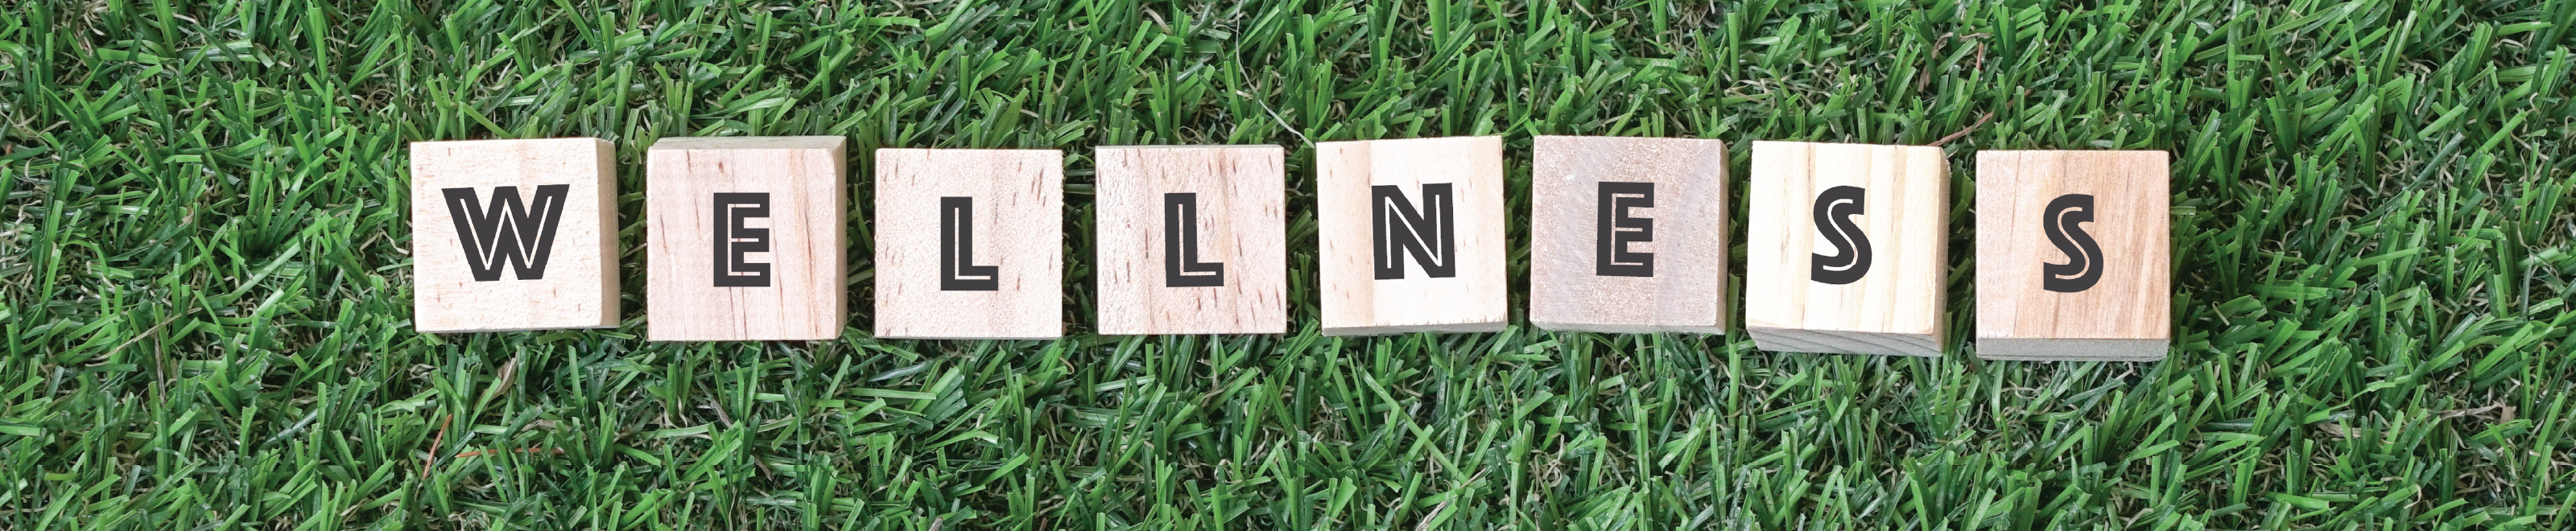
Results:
[744, 240]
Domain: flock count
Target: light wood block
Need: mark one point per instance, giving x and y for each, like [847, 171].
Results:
[513, 235]
[1808, 289]
[744, 239]
[2096, 286]
[1192, 240]
[1412, 235]
[1628, 235]
[970, 243]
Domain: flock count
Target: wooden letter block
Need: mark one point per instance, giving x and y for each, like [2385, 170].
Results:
[1847, 248]
[1628, 235]
[2072, 255]
[1412, 235]
[744, 239]
[970, 243]
[513, 235]
[1192, 240]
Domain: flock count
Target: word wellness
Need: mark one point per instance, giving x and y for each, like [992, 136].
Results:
[744, 241]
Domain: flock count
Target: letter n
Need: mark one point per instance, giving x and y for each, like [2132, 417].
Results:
[1396, 229]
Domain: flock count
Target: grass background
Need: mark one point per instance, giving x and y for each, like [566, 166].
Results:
[203, 262]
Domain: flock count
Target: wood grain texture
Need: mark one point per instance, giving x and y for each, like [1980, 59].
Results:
[2124, 313]
[1569, 290]
[1355, 302]
[804, 296]
[577, 287]
[1895, 308]
[1239, 200]
[1017, 229]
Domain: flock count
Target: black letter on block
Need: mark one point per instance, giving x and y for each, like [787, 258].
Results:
[507, 230]
[1410, 229]
[1834, 210]
[733, 240]
[1612, 257]
[1181, 245]
[2083, 265]
[957, 249]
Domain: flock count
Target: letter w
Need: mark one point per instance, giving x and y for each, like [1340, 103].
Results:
[507, 230]
[1428, 234]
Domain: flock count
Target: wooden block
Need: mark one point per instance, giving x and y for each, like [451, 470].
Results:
[744, 239]
[1412, 235]
[1628, 235]
[513, 235]
[2073, 259]
[1192, 240]
[1847, 248]
[970, 243]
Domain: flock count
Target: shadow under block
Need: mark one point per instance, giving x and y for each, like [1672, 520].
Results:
[1192, 240]
[513, 235]
[1412, 235]
[970, 243]
[1628, 235]
[2073, 255]
[1846, 248]
[743, 239]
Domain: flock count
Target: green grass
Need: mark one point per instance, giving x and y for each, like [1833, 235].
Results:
[204, 297]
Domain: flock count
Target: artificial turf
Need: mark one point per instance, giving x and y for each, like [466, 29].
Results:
[205, 306]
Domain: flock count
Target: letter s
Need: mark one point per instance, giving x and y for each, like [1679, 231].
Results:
[1834, 209]
[2083, 266]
